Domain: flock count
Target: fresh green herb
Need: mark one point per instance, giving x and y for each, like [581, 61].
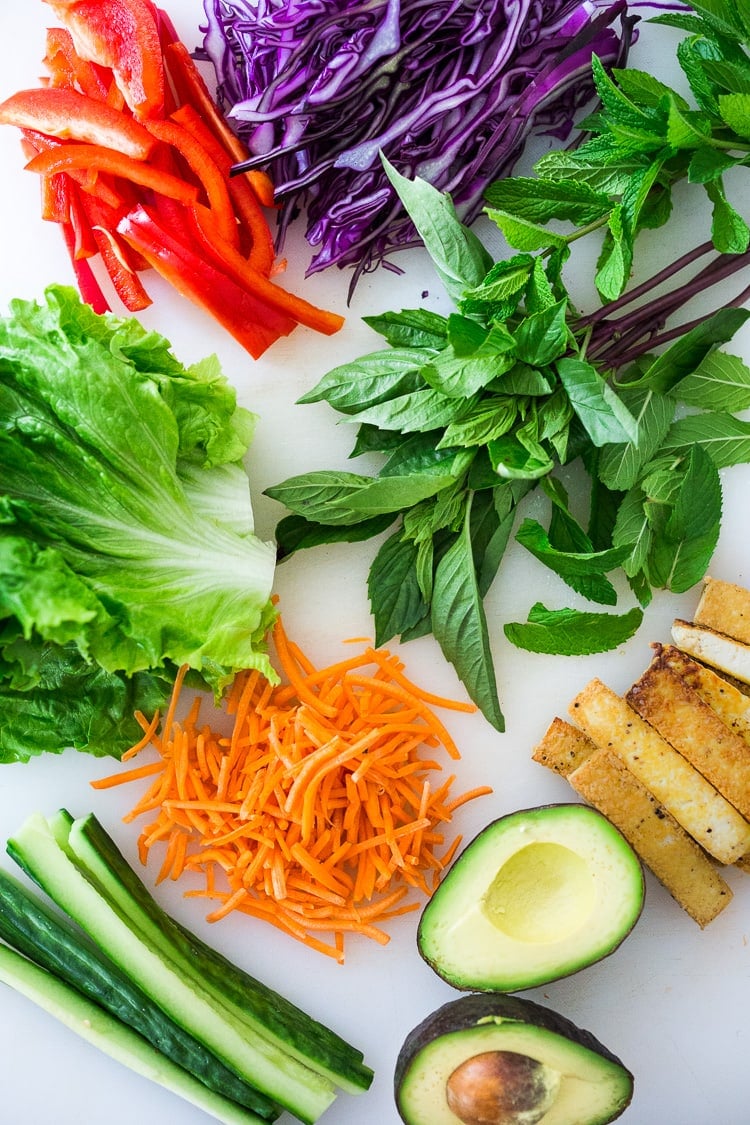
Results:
[127, 545]
[475, 410]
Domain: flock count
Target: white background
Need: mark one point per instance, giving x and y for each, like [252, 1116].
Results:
[672, 1001]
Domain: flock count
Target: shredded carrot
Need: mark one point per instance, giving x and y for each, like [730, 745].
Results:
[316, 811]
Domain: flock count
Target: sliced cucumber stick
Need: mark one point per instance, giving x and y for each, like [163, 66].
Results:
[111, 1036]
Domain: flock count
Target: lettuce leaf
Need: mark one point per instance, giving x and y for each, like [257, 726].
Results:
[127, 545]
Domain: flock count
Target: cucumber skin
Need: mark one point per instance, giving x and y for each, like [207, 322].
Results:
[38, 851]
[54, 945]
[314, 1044]
[114, 1038]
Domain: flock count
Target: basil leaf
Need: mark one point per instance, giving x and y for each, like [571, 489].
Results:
[620, 463]
[543, 336]
[410, 328]
[460, 259]
[460, 625]
[295, 533]
[512, 459]
[570, 632]
[332, 497]
[372, 378]
[603, 415]
[424, 409]
[680, 555]
[396, 600]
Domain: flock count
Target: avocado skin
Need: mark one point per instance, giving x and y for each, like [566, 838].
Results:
[464, 1013]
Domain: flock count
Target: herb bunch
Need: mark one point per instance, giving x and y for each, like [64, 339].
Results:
[474, 411]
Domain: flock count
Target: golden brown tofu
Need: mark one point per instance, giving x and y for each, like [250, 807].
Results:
[682, 789]
[713, 648]
[563, 747]
[692, 879]
[725, 607]
[688, 723]
[728, 701]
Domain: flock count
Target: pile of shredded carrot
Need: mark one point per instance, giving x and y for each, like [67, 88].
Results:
[318, 811]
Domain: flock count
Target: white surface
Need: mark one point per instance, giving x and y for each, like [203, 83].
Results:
[672, 1002]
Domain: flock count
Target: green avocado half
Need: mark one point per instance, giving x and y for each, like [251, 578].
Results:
[537, 895]
[493, 1059]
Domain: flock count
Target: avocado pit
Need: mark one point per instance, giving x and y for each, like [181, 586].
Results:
[501, 1088]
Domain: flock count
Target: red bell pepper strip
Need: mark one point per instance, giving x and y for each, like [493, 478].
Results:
[66, 67]
[121, 35]
[88, 286]
[70, 115]
[96, 185]
[253, 323]
[105, 160]
[206, 172]
[267, 291]
[259, 240]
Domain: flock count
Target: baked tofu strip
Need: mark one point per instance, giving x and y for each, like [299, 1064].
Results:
[729, 703]
[725, 608]
[563, 747]
[687, 722]
[692, 879]
[691, 799]
[717, 649]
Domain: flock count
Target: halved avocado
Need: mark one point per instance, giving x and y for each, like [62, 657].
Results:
[505, 1060]
[537, 895]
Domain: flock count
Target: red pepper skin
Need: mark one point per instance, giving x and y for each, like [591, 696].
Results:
[69, 115]
[97, 159]
[253, 323]
[122, 35]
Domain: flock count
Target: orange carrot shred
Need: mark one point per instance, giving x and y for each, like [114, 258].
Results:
[316, 811]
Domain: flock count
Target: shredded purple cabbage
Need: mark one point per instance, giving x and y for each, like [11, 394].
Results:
[449, 90]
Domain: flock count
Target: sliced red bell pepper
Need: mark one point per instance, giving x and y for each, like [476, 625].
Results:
[253, 323]
[67, 68]
[70, 115]
[206, 172]
[258, 243]
[99, 186]
[98, 159]
[123, 36]
[265, 290]
[88, 286]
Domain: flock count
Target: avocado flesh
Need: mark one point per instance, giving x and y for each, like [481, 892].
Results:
[589, 1085]
[537, 895]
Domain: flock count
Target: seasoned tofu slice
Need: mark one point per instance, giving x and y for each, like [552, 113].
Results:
[687, 722]
[691, 799]
[713, 648]
[563, 747]
[725, 607]
[676, 860]
[729, 703]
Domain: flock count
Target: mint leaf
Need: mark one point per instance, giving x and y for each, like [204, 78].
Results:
[721, 382]
[734, 109]
[570, 632]
[522, 234]
[725, 438]
[539, 200]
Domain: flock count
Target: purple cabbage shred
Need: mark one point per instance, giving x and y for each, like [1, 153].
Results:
[448, 90]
